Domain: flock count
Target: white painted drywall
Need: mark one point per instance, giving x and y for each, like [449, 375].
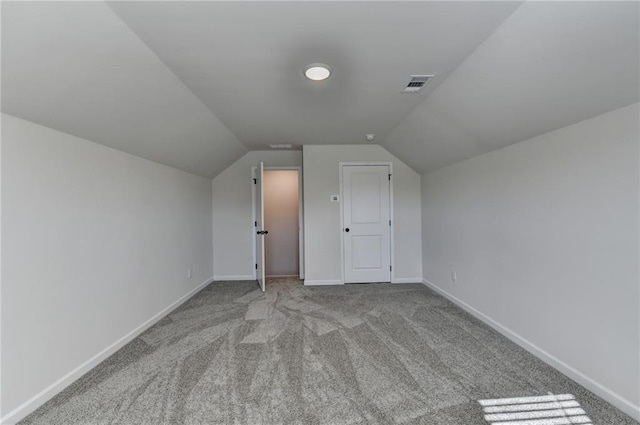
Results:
[322, 217]
[281, 220]
[95, 242]
[543, 236]
[232, 213]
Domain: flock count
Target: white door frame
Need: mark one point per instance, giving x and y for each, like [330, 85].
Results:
[300, 215]
[341, 166]
[259, 224]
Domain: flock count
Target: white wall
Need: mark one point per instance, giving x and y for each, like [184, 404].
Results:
[322, 218]
[543, 236]
[281, 220]
[95, 243]
[232, 213]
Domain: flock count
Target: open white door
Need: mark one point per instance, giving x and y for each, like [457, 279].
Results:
[259, 225]
[367, 224]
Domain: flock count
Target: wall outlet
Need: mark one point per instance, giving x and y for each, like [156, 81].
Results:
[454, 277]
[189, 273]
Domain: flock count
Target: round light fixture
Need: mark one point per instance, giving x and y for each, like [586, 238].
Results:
[317, 71]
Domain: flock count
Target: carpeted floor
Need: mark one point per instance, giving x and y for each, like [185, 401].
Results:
[356, 354]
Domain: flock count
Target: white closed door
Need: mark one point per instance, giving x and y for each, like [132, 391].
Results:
[259, 225]
[366, 223]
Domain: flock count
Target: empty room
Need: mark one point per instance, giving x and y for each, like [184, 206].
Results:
[320, 212]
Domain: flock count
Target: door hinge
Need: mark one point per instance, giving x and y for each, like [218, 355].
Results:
[389, 222]
[389, 177]
[255, 181]
[255, 224]
[256, 266]
[390, 268]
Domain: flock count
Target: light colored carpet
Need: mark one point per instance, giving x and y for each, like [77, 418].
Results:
[357, 354]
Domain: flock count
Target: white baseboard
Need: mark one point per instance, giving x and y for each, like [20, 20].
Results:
[45, 395]
[595, 387]
[282, 275]
[235, 277]
[308, 282]
[406, 280]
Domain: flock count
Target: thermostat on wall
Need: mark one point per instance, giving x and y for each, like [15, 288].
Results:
[334, 198]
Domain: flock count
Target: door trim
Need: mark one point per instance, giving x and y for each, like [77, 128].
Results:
[254, 170]
[341, 166]
[300, 215]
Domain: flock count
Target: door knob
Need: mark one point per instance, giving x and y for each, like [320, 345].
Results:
[346, 230]
[262, 232]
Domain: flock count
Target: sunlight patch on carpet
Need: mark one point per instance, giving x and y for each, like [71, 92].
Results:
[550, 409]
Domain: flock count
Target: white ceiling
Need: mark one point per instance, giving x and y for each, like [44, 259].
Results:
[194, 85]
[549, 65]
[246, 60]
[76, 67]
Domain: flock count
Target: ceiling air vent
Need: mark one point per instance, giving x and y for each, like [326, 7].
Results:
[416, 83]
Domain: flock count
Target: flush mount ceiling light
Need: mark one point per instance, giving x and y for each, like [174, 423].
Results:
[317, 71]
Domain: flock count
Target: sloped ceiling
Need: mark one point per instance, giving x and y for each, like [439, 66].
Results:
[245, 60]
[194, 85]
[77, 68]
[551, 64]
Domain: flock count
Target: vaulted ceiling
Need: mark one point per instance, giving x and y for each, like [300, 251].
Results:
[195, 85]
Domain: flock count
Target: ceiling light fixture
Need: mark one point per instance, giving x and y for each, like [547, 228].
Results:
[317, 71]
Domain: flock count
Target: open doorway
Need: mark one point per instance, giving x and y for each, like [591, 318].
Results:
[281, 217]
[281, 228]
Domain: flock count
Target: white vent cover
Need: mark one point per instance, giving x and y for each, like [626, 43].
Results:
[416, 83]
[281, 146]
